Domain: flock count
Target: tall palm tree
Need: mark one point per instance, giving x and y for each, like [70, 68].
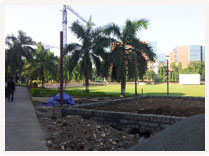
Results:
[85, 53]
[44, 63]
[19, 48]
[124, 44]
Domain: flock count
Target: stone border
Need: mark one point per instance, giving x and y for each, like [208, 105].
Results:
[108, 102]
[124, 120]
[143, 122]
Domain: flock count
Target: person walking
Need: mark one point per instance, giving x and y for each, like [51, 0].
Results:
[11, 89]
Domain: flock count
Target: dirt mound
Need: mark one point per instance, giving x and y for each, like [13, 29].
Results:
[73, 133]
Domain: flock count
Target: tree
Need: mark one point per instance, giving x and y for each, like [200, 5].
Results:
[125, 48]
[176, 70]
[85, 53]
[44, 64]
[162, 72]
[19, 49]
[150, 75]
[196, 68]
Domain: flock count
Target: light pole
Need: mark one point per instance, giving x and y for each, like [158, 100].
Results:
[167, 78]
[61, 68]
[167, 74]
[58, 108]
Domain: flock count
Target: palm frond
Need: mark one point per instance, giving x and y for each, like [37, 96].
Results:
[71, 47]
[74, 60]
[98, 64]
[112, 29]
[79, 30]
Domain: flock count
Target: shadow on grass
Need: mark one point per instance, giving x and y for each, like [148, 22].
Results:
[43, 92]
[163, 94]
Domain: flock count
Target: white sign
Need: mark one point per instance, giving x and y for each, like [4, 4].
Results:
[189, 79]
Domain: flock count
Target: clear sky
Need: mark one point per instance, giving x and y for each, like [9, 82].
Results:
[169, 25]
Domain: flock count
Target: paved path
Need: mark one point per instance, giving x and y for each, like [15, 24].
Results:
[23, 132]
[186, 135]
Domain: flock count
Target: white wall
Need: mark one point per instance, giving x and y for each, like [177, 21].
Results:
[189, 78]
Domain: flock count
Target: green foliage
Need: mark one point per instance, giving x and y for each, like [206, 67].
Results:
[114, 91]
[196, 68]
[86, 54]
[127, 47]
[162, 72]
[44, 66]
[21, 85]
[192, 68]
[150, 74]
[18, 50]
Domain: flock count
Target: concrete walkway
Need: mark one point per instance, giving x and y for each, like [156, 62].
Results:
[23, 132]
[186, 135]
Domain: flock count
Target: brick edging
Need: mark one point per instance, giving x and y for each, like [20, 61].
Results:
[114, 101]
[143, 122]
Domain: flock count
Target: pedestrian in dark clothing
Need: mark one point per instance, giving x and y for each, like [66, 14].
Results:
[10, 89]
[6, 92]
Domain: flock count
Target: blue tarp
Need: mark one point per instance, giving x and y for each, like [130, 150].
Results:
[56, 100]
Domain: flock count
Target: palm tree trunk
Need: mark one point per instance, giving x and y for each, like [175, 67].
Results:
[135, 75]
[87, 83]
[14, 76]
[20, 76]
[123, 86]
[123, 74]
[42, 81]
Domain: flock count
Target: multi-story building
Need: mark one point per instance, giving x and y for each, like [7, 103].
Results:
[161, 58]
[153, 65]
[187, 54]
[153, 44]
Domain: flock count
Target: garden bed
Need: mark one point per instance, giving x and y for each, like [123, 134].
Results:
[160, 106]
[75, 133]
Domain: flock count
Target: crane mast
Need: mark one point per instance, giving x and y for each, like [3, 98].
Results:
[64, 21]
[64, 25]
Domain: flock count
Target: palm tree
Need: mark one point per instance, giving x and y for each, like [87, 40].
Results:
[86, 53]
[19, 48]
[44, 63]
[125, 48]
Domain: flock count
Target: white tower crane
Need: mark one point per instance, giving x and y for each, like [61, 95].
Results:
[64, 21]
[64, 25]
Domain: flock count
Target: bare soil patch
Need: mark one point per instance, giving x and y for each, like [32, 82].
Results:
[160, 106]
[77, 100]
[73, 133]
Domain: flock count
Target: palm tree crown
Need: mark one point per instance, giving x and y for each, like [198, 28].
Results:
[125, 47]
[18, 48]
[86, 53]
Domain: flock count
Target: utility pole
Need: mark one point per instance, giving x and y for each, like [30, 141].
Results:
[61, 68]
[58, 108]
[167, 78]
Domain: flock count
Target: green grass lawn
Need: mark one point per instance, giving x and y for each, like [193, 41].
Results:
[114, 90]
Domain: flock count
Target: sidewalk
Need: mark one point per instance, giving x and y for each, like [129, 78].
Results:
[185, 135]
[23, 132]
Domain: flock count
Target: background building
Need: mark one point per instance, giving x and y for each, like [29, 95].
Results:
[160, 56]
[153, 65]
[187, 54]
